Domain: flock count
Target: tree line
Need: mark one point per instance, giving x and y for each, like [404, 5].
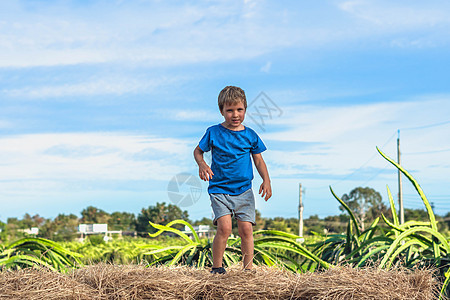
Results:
[366, 203]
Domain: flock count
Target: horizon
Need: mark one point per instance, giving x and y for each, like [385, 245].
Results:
[102, 104]
[79, 216]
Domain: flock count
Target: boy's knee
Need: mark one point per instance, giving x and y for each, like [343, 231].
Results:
[224, 230]
[245, 230]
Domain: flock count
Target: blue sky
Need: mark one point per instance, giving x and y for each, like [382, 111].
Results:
[102, 102]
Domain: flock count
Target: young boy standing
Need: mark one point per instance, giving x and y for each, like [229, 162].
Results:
[231, 173]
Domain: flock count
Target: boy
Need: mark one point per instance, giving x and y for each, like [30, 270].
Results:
[231, 173]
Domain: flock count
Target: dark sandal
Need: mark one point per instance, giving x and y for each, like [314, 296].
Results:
[220, 270]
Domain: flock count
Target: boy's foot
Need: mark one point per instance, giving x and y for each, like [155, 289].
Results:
[252, 271]
[220, 270]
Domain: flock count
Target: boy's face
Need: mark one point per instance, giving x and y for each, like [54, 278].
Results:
[234, 115]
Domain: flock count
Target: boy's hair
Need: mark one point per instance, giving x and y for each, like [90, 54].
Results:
[232, 95]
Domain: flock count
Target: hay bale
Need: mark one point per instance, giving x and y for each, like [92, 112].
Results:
[103, 281]
[33, 284]
[368, 283]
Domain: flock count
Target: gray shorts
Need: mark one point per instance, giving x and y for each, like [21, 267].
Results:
[241, 206]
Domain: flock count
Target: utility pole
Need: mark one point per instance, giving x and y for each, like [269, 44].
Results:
[300, 211]
[400, 197]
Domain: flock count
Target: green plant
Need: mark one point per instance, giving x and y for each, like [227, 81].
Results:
[193, 252]
[354, 246]
[117, 251]
[413, 244]
[417, 243]
[96, 239]
[30, 252]
[272, 248]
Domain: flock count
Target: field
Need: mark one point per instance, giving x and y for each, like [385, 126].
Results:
[388, 260]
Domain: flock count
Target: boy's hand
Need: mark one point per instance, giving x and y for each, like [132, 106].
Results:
[265, 190]
[205, 172]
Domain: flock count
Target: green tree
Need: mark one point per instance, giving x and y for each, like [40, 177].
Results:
[277, 223]
[442, 225]
[416, 215]
[366, 203]
[422, 215]
[122, 221]
[62, 228]
[336, 224]
[26, 222]
[12, 227]
[161, 213]
[3, 233]
[204, 221]
[259, 220]
[31, 221]
[93, 215]
[293, 225]
[447, 220]
[313, 224]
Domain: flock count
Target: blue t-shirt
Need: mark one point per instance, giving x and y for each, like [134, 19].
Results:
[231, 162]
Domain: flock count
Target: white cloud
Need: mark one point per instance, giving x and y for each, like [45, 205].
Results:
[108, 85]
[162, 34]
[64, 172]
[415, 24]
[335, 146]
[5, 124]
[393, 15]
[193, 115]
[266, 67]
[154, 34]
[341, 139]
[90, 156]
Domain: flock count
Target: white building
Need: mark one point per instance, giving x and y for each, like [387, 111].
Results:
[202, 231]
[86, 229]
[30, 231]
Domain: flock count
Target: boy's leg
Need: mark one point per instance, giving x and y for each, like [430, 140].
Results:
[220, 240]
[246, 234]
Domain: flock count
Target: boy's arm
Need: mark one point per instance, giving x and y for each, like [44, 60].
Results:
[204, 171]
[260, 165]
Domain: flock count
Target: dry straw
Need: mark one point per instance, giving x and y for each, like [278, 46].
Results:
[104, 281]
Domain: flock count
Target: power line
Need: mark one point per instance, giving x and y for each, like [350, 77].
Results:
[389, 140]
[437, 200]
[443, 195]
[380, 171]
[426, 152]
[430, 199]
[426, 126]
[375, 176]
[360, 167]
